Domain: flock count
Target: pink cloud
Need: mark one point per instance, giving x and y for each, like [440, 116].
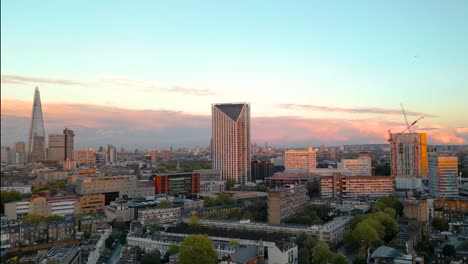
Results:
[97, 124]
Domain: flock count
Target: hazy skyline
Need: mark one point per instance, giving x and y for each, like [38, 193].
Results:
[315, 72]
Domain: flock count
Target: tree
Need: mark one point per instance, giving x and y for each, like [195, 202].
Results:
[359, 260]
[8, 196]
[153, 257]
[173, 249]
[208, 201]
[194, 222]
[32, 219]
[303, 256]
[300, 238]
[364, 235]
[449, 250]
[109, 241]
[197, 249]
[388, 202]
[339, 259]
[262, 188]
[234, 242]
[439, 224]
[164, 204]
[224, 199]
[321, 254]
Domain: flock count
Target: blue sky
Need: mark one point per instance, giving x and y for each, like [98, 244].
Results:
[342, 54]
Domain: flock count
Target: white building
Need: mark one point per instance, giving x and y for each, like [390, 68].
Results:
[159, 215]
[20, 189]
[358, 167]
[212, 186]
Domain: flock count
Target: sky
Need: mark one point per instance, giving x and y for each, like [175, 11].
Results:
[145, 73]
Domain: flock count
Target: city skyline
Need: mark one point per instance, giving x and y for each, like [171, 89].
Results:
[314, 72]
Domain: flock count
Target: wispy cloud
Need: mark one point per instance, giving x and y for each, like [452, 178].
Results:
[363, 110]
[21, 79]
[123, 83]
[96, 125]
[151, 87]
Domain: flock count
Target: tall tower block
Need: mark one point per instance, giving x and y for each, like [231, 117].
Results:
[36, 143]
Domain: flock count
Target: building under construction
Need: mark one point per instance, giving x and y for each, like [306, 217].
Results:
[408, 159]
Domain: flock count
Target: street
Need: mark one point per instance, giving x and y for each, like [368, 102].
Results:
[115, 255]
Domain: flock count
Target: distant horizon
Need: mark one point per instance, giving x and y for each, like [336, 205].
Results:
[117, 127]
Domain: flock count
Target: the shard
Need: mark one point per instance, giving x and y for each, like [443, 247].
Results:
[36, 143]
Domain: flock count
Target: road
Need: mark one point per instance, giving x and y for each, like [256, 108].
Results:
[115, 254]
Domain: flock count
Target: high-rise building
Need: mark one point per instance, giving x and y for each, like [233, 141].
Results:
[85, 156]
[443, 176]
[20, 152]
[61, 146]
[36, 144]
[56, 150]
[231, 141]
[301, 159]
[111, 154]
[69, 144]
[154, 156]
[6, 155]
[165, 155]
[261, 169]
[408, 154]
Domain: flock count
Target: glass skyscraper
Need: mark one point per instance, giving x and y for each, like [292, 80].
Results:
[36, 143]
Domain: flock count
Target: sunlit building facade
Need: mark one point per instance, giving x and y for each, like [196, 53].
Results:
[231, 141]
[443, 176]
[305, 160]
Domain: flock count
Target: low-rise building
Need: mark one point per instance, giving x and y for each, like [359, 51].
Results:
[113, 187]
[91, 203]
[286, 201]
[212, 186]
[162, 216]
[416, 209]
[62, 255]
[339, 186]
[176, 183]
[21, 189]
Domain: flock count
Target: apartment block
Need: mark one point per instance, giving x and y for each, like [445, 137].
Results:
[286, 201]
[339, 186]
[358, 167]
[305, 160]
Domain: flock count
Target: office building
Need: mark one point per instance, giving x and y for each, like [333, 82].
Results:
[305, 160]
[56, 150]
[286, 201]
[231, 141]
[91, 203]
[113, 187]
[69, 144]
[176, 183]
[340, 186]
[85, 156]
[111, 154]
[36, 143]
[20, 152]
[261, 169]
[6, 155]
[443, 176]
[358, 167]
